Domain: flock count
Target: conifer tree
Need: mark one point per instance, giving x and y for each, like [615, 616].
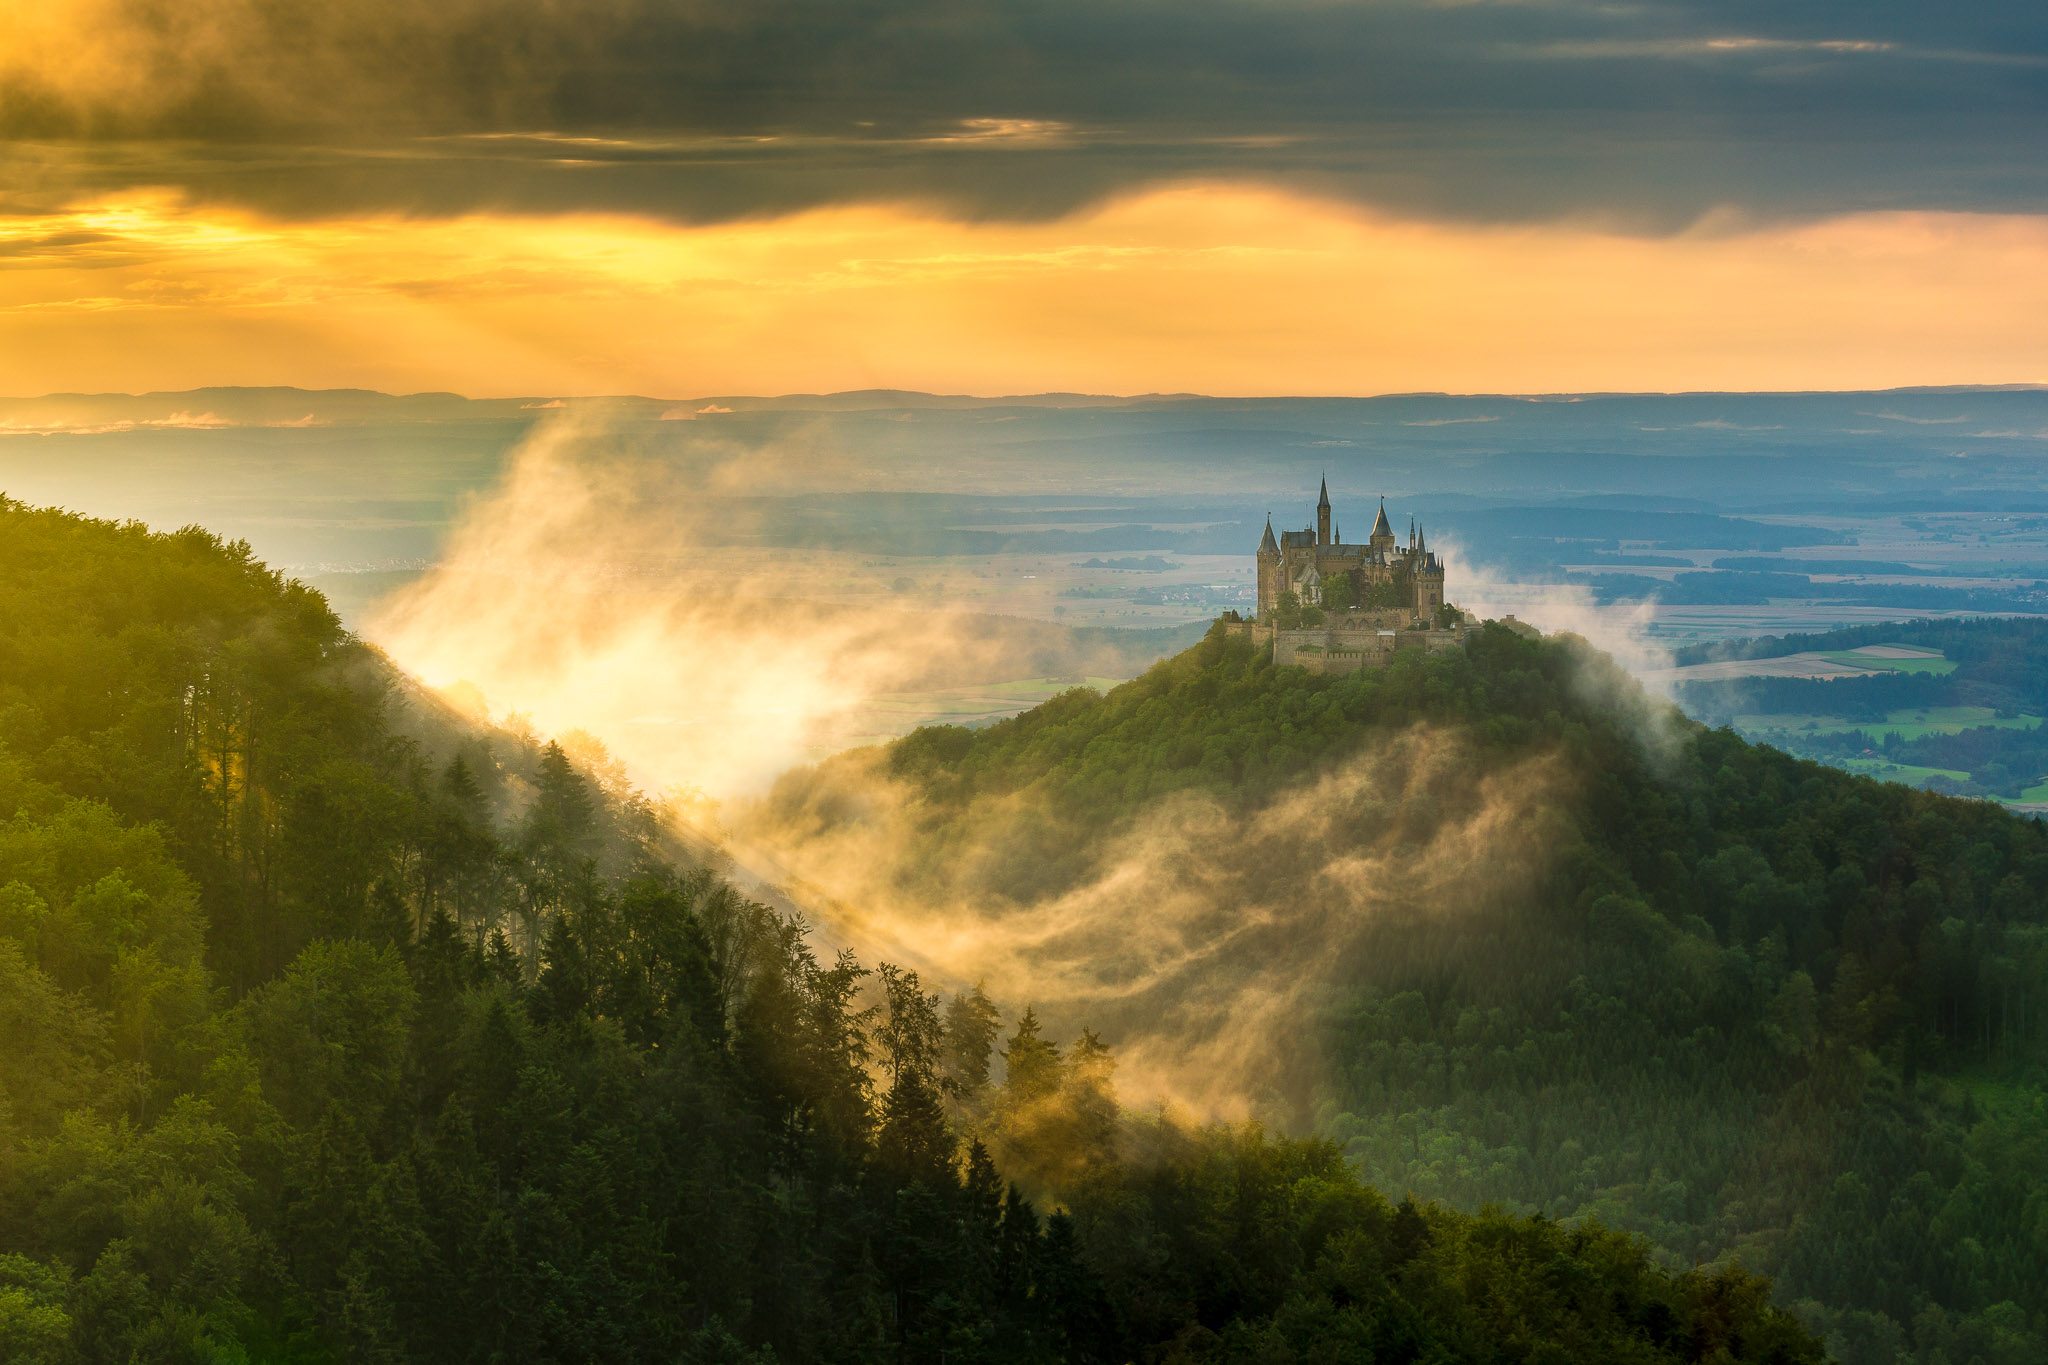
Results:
[1031, 1062]
[972, 1027]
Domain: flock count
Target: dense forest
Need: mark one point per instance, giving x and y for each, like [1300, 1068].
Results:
[1747, 1005]
[342, 1031]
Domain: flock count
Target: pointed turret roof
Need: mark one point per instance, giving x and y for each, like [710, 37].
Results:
[1379, 526]
[1324, 501]
[1267, 545]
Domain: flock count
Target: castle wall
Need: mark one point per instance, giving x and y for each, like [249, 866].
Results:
[1350, 647]
[1327, 651]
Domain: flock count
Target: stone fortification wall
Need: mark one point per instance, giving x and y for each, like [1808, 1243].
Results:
[1349, 647]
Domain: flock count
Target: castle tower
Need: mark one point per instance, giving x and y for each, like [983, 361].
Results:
[1382, 539]
[1429, 579]
[1269, 570]
[1323, 536]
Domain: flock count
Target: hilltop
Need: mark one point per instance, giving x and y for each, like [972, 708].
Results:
[1739, 1002]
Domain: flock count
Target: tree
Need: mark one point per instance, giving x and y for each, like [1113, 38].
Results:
[914, 1139]
[334, 1031]
[972, 1027]
[1031, 1062]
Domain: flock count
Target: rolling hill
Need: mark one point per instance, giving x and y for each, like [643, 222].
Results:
[1542, 943]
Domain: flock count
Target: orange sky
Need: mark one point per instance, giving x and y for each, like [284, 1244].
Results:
[1216, 287]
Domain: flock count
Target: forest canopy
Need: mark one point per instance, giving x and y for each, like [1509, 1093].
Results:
[1745, 1005]
[342, 1030]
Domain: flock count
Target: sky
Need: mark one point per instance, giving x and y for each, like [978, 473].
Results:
[684, 197]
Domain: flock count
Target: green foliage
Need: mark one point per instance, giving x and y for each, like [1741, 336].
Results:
[971, 1028]
[1733, 1011]
[1291, 613]
[1390, 595]
[338, 1033]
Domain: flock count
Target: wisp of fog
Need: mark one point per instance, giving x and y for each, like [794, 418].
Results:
[582, 594]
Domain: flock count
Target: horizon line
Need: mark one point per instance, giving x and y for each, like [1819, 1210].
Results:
[540, 400]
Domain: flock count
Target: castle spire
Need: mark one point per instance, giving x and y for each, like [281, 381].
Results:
[1323, 503]
[1323, 535]
[1267, 545]
[1379, 525]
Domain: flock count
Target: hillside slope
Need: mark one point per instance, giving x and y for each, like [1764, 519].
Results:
[1741, 1003]
[340, 1032]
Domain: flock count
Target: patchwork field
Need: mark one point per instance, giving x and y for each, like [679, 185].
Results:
[1848, 663]
[1915, 723]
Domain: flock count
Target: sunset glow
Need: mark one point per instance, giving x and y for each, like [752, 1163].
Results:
[1215, 287]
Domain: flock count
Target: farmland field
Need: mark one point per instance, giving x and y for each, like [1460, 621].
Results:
[1916, 723]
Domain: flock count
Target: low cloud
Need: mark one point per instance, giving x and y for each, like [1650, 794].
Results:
[1203, 941]
[180, 420]
[587, 592]
[625, 585]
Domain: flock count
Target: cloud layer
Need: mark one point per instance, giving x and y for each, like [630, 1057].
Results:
[1650, 114]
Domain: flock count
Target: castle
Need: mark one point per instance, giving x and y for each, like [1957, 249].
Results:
[1402, 582]
[1336, 608]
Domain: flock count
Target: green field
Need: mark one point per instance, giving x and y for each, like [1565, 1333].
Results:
[1921, 663]
[1913, 723]
[1908, 773]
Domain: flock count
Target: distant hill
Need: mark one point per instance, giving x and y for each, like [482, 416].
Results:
[1743, 1004]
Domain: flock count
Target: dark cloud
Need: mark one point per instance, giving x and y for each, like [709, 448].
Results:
[1650, 113]
[68, 247]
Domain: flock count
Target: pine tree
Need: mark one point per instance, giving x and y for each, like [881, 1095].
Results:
[914, 1138]
[1032, 1062]
[972, 1028]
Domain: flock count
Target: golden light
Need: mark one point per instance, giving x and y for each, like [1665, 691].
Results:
[1220, 288]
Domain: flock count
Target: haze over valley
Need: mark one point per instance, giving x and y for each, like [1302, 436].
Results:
[1097, 682]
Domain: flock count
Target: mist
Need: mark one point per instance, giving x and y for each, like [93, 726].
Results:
[582, 595]
[1198, 940]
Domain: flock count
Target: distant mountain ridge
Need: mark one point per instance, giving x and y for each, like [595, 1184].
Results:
[283, 397]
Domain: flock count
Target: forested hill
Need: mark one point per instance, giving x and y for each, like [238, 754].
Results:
[1741, 1003]
[337, 1032]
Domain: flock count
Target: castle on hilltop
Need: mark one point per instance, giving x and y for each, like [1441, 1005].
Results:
[1336, 608]
[1382, 576]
